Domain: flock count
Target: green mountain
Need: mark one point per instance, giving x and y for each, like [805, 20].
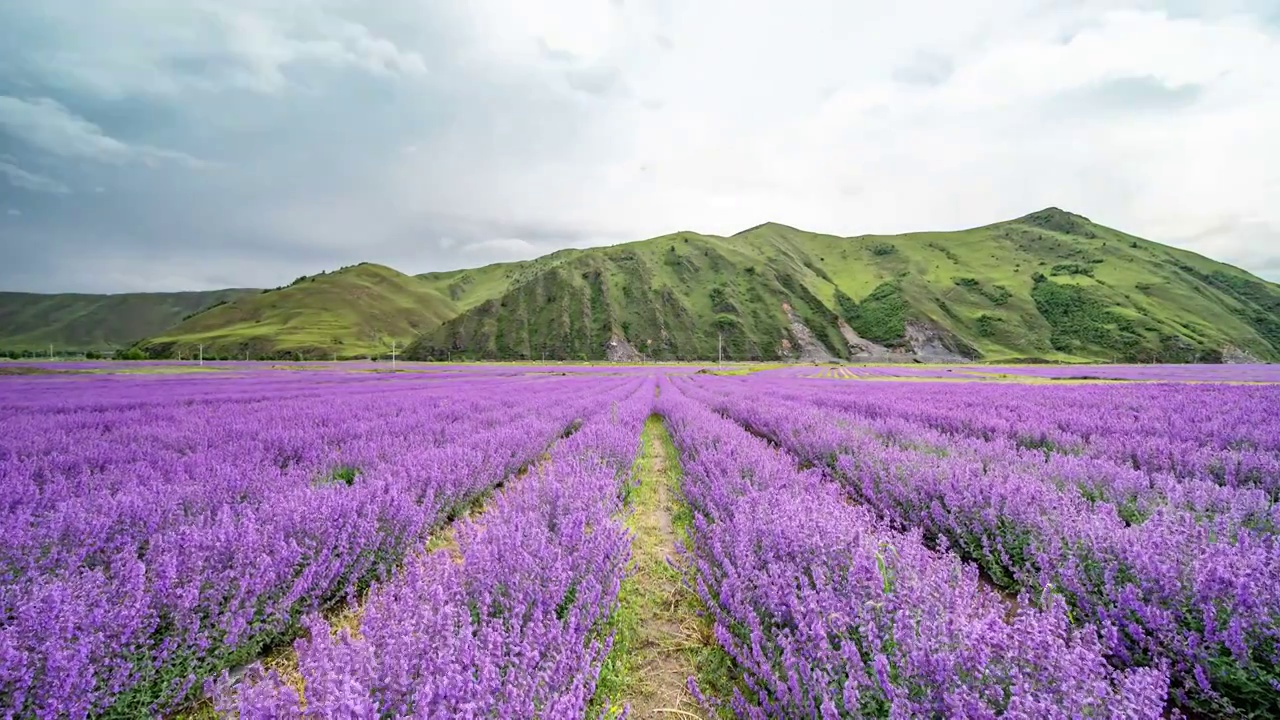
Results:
[1050, 285]
[352, 312]
[77, 322]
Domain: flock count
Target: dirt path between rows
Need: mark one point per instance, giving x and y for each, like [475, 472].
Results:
[664, 631]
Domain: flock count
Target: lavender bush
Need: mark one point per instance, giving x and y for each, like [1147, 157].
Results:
[882, 548]
[514, 629]
[160, 530]
[1170, 569]
[830, 614]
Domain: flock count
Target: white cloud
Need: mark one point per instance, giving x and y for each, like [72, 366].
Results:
[503, 248]
[13, 212]
[29, 180]
[120, 48]
[268, 44]
[804, 117]
[46, 125]
[514, 127]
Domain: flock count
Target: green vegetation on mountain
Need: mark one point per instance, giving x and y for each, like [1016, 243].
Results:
[1051, 285]
[352, 312]
[669, 297]
[881, 317]
[79, 323]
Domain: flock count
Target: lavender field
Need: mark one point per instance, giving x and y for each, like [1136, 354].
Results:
[336, 541]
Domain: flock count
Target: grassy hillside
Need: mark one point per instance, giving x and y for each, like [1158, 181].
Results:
[573, 304]
[352, 312]
[1050, 285]
[76, 322]
[1047, 286]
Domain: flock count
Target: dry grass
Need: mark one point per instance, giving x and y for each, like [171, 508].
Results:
[657, 636]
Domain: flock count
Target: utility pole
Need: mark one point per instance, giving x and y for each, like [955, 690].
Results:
[50, 351]
[202, 354]
[393, 355]
[720, 349]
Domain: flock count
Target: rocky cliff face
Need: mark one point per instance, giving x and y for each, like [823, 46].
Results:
[805, 347]
[861, 348]
[930, 343]
[619, 350]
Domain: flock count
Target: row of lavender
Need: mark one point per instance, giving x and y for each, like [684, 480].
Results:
[164, 530]
[71, 368]
[828, 613]
[1141, 373]
[1227, 434]
[1174, 570]
[512, 628]
[1161, 373]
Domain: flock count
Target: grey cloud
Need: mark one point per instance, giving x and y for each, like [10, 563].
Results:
[46, 125]
[596, 80]
[158, 48]
[925, 68]
[555, 54]
[282, 202]
[503, 247]
[322, 141]
[1129, 95]
[29, 180]
[362, 49]
[303, 110]
[1266, 10]
[592, 79]
[1240, 241]
[527, 242]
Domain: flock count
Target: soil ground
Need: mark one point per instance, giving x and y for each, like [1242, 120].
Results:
[657, 636]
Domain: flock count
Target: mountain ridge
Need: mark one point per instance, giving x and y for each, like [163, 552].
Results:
[354, 311]
[97, 322]
[1049, 285]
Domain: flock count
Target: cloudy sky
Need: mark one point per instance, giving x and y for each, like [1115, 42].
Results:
[162, 145]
